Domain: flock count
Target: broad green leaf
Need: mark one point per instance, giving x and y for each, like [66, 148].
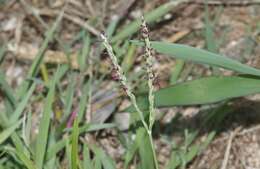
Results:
[203, 91]
[207, 90]
[201, 56]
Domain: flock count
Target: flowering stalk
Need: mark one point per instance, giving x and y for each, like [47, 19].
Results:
[149, 70]
[119, 75]
[150, 74]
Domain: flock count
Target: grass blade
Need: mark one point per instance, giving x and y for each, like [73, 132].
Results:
[129, 58]
[201, 56]
[150, 17]
[87, 164]
[203, 91]
[96, 127]
[21, 152]
[54, 149]
[207, 90]
[74, 144]
[58, 146]
[21, 106]
[83, 56]
[106, 161]
[84, 99]
[145, 150]
[27, 129]
[8, 91]
[39, 57]
[130, 153]
[69, 96]
[51, 164]
[209, 32]
[177, 71]
[7, 132]
[42, 138]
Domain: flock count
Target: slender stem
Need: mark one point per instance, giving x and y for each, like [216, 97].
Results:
[149, 132]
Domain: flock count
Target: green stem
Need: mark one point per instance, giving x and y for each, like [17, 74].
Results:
[149, 132]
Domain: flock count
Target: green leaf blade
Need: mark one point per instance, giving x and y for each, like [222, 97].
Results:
[74, 144]
[203, 91]
[207, 90]
[42, 138]
[204, 57]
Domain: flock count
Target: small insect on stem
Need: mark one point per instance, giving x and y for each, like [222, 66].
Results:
[115, 75]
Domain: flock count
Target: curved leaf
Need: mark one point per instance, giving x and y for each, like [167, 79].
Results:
[203, 91]
[201, 56]
[207, 90]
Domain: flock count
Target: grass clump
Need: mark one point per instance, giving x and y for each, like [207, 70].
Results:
[59, 142]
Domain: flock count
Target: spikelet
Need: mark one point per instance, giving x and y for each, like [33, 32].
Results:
[149, 69]
[119, 76]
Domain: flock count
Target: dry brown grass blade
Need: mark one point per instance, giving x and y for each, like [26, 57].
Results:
[82, 23]
[228, 149]
[28, 52]
[177, 36]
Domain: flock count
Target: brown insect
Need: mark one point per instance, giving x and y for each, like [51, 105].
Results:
[115, 75]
